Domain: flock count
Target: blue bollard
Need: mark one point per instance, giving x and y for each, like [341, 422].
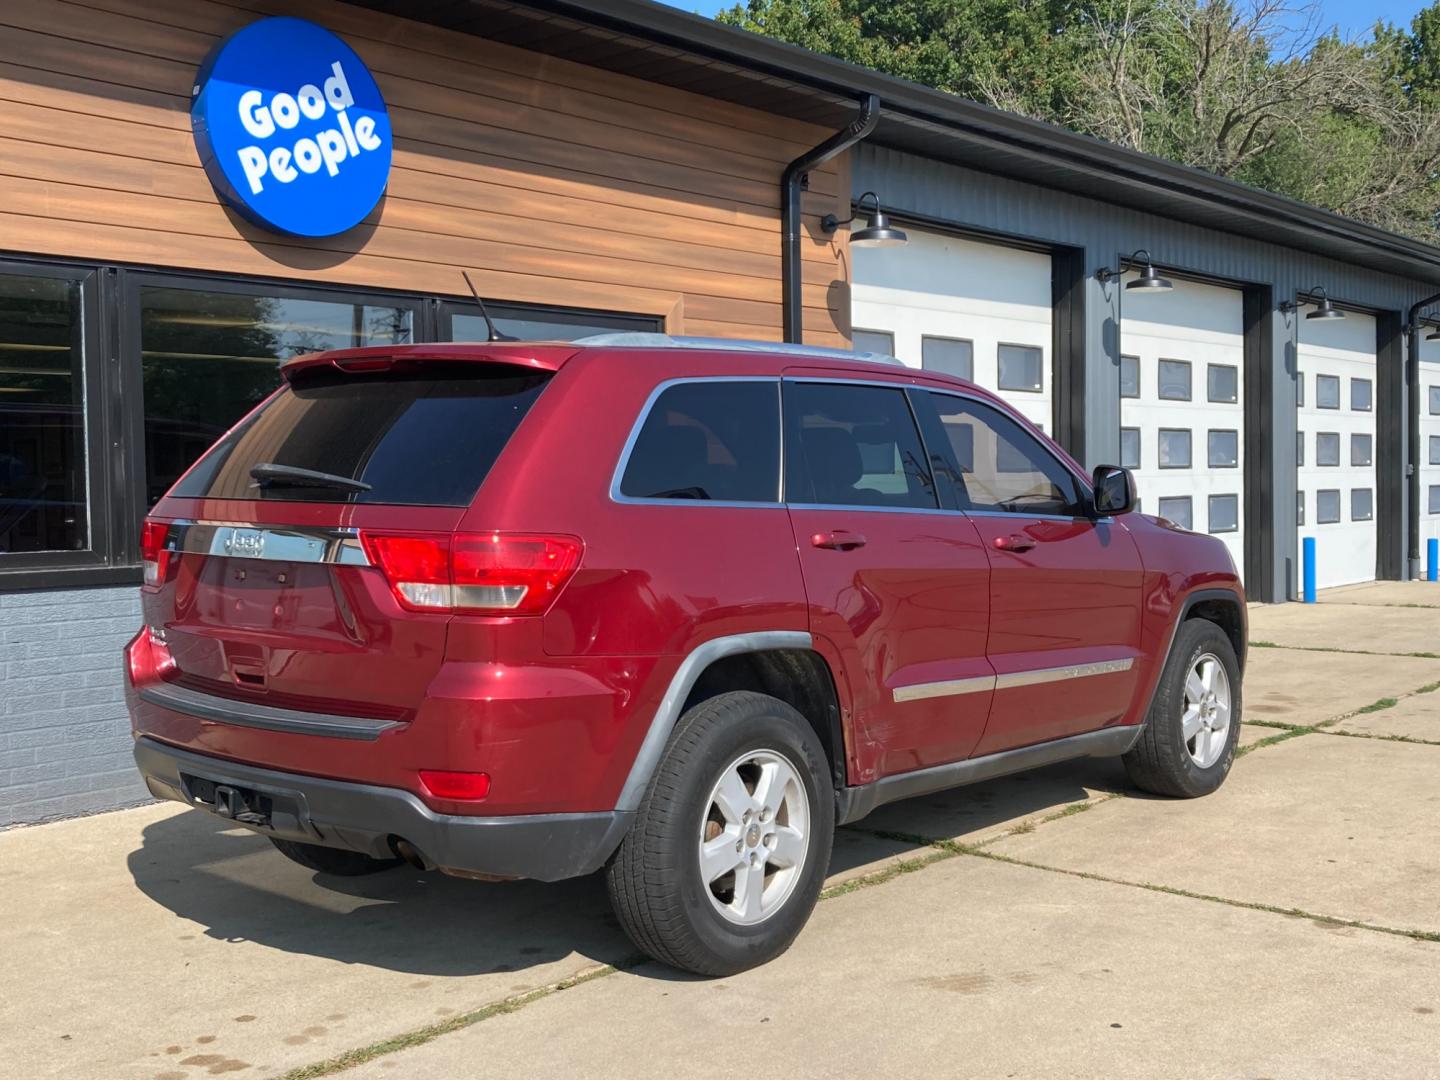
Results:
[1432, 553]
[1309, 569]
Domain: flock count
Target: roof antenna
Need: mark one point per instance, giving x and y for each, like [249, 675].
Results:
[495, 335]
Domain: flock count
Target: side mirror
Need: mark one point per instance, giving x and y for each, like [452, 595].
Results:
[1114, 490]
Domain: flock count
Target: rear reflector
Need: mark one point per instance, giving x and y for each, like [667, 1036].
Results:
[154, 555]
[455, 785]
[489, 573]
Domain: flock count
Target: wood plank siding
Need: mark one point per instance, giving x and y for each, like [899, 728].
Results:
[549, 181]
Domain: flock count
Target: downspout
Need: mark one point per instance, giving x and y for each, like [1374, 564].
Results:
[1412, 435]
[796, 179]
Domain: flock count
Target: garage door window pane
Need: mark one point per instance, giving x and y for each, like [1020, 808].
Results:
[949, 356]
[1435, 449]
[1434, 507]
[208, 358]
[1175, 380]
[1299, 508]
[1174, 448]
[1224, 513]
[874, 341]
[1360, 396]
[1300, 448]
[1223, 382]
[1327, 391]
[1362, 504]
[1224, 450]
[1327, 448]
[1435, 401]
[1129, 376]
[1130, 448]
[1177, 510]
[1021, 368]
[42, 417]
[1327, 507]
[1300, 389]
[1360, 449]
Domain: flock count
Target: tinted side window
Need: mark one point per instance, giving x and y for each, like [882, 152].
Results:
[853, 445]
[1001, 466]
[708, 440]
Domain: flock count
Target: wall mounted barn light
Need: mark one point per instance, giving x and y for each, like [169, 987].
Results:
[1148, 281]
[878, 232]
[1317, 298]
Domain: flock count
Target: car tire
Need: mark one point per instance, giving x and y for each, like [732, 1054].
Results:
[1188, 743]
[328, 860]
[744, 782]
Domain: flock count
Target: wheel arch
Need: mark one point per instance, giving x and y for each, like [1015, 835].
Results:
[781, 663]
[1221, 607]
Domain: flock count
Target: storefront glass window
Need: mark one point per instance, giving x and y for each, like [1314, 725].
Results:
[208, 358]
[42, 422]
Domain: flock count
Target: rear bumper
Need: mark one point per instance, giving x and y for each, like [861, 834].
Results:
[364, 817]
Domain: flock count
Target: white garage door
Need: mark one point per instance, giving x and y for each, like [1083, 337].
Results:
[1337, 446]
[981, 311]
[1182, 411]
[1429, 447]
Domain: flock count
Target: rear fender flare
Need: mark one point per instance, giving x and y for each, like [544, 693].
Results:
[647, 758]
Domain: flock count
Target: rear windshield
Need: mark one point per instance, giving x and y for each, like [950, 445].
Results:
[425, 439]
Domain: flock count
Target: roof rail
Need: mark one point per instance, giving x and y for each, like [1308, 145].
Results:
[639, 340]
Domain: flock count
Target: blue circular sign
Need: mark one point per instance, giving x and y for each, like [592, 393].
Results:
[291, 128]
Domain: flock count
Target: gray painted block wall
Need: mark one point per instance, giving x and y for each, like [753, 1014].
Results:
[64, 732]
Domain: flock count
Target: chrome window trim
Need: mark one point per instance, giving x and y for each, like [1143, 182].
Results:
[902, 383]
[619, 474]
[1011, 681]
[272, 543]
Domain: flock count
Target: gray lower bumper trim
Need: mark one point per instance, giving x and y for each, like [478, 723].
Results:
[268, 717]
[363, 817]
[853, 803]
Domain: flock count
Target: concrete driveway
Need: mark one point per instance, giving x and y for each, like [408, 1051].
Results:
[1053, 924]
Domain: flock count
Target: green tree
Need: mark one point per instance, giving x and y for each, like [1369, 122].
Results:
[1253, 89]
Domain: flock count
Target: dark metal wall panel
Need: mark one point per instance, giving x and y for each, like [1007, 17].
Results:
[974, 200]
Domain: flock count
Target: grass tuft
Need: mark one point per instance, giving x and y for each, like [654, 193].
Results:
[360, 1055]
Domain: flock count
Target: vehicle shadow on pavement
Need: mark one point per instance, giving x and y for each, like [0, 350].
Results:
[237, 887]
[983, 811]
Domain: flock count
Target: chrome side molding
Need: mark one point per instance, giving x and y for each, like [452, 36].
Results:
[980, 683]
[278, 543]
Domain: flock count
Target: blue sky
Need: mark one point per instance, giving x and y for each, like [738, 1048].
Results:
[1352, 16]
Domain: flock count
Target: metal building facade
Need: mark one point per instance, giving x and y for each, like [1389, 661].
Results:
[1085, 234]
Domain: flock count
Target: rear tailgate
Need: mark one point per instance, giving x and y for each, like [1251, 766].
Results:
[265, 594]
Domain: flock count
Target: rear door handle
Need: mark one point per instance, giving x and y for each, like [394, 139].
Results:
[838, 540]
[1014, 542]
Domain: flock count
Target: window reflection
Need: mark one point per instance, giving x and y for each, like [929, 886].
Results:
[208, 358]
[42, 424]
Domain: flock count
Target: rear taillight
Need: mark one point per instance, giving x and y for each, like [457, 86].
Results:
[489, 573]
[154, 555]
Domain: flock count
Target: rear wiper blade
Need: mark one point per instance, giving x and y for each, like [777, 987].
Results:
[268, 473]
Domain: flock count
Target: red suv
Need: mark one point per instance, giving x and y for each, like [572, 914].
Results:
[671, 609]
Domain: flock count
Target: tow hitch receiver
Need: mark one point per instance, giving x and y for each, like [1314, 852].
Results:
[240, 805]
